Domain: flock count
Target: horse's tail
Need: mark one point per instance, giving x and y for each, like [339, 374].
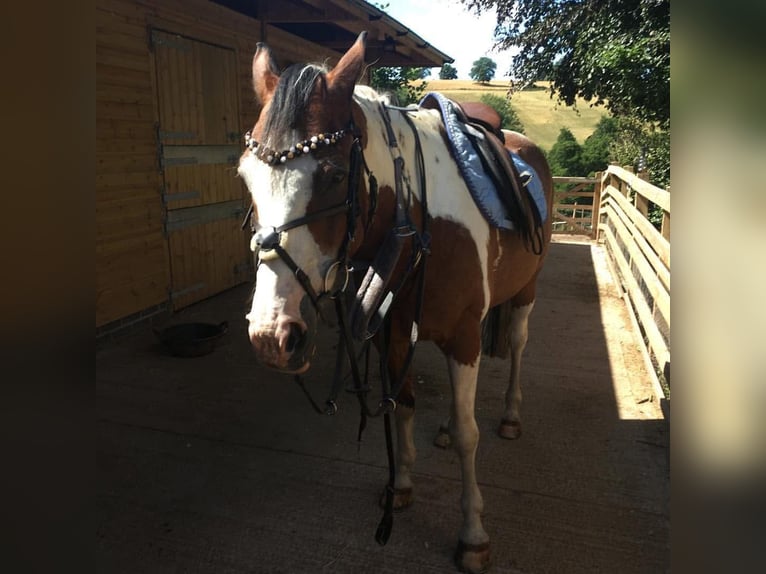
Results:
[496, 331]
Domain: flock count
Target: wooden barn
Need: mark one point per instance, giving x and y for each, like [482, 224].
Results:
[173, 100]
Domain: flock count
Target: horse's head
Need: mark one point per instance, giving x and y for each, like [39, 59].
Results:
[297, 168]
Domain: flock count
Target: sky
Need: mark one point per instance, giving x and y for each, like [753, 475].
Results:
[450, 28]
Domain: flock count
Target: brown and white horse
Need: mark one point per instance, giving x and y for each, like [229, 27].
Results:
[299, 167]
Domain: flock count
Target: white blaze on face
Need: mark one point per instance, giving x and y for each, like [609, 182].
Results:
[281, 194]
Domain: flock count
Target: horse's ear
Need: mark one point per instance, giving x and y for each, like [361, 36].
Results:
[265, 73]
[344, 76]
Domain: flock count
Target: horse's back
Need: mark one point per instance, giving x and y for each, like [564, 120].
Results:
[531, 153]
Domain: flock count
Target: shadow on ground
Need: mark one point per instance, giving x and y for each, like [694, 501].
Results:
[214, 464]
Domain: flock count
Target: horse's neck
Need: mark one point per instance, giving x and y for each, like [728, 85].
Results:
[379, 153]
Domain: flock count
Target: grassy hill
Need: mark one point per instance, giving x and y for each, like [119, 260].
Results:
[542, 116]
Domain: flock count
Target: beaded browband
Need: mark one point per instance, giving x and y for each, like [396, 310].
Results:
[273, 157]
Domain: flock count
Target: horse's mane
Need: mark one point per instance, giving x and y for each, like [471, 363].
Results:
[289, 103]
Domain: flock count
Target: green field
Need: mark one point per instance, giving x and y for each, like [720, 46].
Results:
[541, 115]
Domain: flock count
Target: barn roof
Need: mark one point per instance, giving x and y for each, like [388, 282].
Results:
[335, 24]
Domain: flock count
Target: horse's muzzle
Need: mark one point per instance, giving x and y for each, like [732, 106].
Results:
[289, 344]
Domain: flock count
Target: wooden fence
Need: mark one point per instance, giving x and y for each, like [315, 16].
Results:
[576, 205]
[613, 208]
[640, 254]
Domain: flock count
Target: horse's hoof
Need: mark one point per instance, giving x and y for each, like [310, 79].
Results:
[509, 429]
[402, 499]
[443, 439]
[472, 558]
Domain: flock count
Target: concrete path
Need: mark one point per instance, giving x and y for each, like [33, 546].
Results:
[216, 465]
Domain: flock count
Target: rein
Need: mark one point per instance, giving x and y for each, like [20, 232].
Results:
[370, 314]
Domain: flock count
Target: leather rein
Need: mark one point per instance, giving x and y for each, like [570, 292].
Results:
[365, 323]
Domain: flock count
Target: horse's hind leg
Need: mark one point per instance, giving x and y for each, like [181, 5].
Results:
[510, 424]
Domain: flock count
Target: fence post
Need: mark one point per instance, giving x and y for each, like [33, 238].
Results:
[641, 203]
[596, 212]
[665, 226]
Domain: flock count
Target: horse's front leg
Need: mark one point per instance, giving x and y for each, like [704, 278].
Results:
[405, 419]
[472, 553]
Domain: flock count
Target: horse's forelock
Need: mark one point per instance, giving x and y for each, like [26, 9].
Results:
[290, 103]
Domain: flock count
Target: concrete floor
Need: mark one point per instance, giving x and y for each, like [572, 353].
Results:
[217, 465]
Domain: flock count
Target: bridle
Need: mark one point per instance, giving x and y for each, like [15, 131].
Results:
[269, 239]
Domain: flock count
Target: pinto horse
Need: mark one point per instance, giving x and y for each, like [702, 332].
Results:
[338, 175]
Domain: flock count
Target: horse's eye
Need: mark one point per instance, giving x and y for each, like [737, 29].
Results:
[332, 174]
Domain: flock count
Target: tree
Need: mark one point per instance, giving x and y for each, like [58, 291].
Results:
[483, 70]
[565, 157]
[597, 148]
[616, 52]
[448, 72]
[400, 83]
[510, 120]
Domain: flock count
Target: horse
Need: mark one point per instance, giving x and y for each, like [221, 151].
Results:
[337, 175]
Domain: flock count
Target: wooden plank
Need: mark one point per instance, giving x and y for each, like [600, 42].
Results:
[124, 111]
[571, 206]
[132, 256]
[130, 9]
[579, 180]
[108, 20]
[109, 75]
[117, 162]
[597, 204]
[127, 180]
[560, 194]
[207, 255]
[119, 58]
[108, 145]
[131, 275]
[656, 341]
[106, 195]
[650, 233]
[124, 129]
[617, 215]
[136, 94]
[131, 244]
[130, 43]
[654, 194]
[649, 275]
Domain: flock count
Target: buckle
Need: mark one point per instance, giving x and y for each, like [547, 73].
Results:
[267, 239]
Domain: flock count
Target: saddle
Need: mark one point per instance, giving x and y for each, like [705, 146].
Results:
[508, 201]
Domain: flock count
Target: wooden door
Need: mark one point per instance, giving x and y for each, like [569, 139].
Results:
[200, 143]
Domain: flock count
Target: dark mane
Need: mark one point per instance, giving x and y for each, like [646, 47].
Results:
[289, 103]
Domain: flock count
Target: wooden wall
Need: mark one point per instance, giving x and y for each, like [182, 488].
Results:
[134, 252]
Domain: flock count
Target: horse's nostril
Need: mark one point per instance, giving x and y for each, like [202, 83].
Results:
[295, 338]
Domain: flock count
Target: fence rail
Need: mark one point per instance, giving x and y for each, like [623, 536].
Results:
[613, 208]
[640, 254]
[575, 205]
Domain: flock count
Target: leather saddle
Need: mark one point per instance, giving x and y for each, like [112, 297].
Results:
[482, 127]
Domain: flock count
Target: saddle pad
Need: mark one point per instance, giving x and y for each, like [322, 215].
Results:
[469, 163]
